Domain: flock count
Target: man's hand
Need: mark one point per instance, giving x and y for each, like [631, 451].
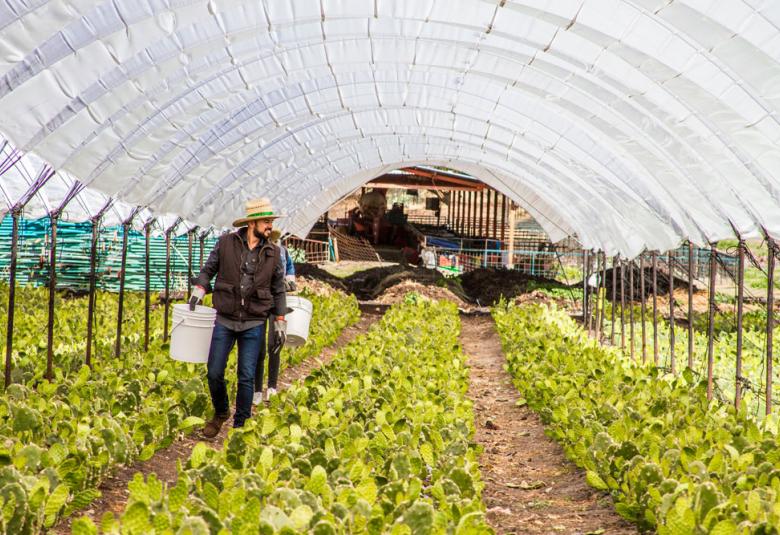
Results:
[198, 292]
[280, 333]
[289, 283]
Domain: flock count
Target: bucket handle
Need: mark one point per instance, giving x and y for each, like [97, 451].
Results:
[174, 327]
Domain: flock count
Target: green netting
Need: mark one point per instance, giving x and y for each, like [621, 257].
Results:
[73, 248]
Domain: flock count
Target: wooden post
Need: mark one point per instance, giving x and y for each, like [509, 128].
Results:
[495, 214]
[9, 332]
[456, 213]
[503, 218]
[481, 213]
[461, 212]
[473, 213]
[655, 308]
[511, 257]
[643, 304]
[336, 255]
[469, 217]
[120, 311]
[770, 319]
[711, 322]
[740, 310]
[52, 293]
[672, 359]
[449, 211]
[631, 305]
[690, 304]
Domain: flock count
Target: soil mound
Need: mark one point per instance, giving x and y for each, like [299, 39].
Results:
[315, 277]
[371, 283]
[397, 293]
[487, 286]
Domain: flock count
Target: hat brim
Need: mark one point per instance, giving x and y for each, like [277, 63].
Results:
[244, 220]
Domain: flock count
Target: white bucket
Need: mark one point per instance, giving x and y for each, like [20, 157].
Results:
[191, 333]
[298, 320]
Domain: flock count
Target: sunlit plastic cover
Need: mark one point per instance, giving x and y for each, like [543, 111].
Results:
[632, 123]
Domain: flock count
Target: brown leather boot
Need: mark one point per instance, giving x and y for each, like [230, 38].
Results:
[212, 427]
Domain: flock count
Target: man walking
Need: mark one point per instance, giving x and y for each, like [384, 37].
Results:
[249, 287]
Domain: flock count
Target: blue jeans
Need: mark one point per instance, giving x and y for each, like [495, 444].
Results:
[222, 341]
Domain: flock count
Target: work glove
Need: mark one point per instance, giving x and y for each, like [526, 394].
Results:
[198, 293]
[289, 283]
[280, 333]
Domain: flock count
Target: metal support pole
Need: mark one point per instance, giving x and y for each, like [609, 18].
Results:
[672, 359]
[52, 293]
[655, 307]
[202, 247]
[643, 302]
[770, 320]
[614, 299]
[585, 266]
[603, 293]
[631, 306]
[120, 311]
[690, 305]
[511, 242]
[92, 286]
[9, 332]
[711, 322]
[622, 306]
[597, 320]
[147, 283]
[740, 303]
[167, 283]
[189, 263]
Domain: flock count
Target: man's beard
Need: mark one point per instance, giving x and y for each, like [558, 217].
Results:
[259, 235]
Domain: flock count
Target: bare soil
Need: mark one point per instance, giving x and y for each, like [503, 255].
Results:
[487, 286]
[397, 293]
[530, 486]
[164, 463]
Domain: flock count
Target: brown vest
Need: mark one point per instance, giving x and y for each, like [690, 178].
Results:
[227, 287]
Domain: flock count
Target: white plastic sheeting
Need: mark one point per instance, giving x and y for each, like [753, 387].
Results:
[632, 123]
[87, 204]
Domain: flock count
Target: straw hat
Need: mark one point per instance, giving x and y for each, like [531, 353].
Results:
[257, 209]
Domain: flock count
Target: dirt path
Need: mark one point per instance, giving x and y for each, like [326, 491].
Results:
[163, 463]
[530, 486]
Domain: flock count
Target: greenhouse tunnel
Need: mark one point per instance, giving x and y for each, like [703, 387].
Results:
[633, 124]
[572, 258]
